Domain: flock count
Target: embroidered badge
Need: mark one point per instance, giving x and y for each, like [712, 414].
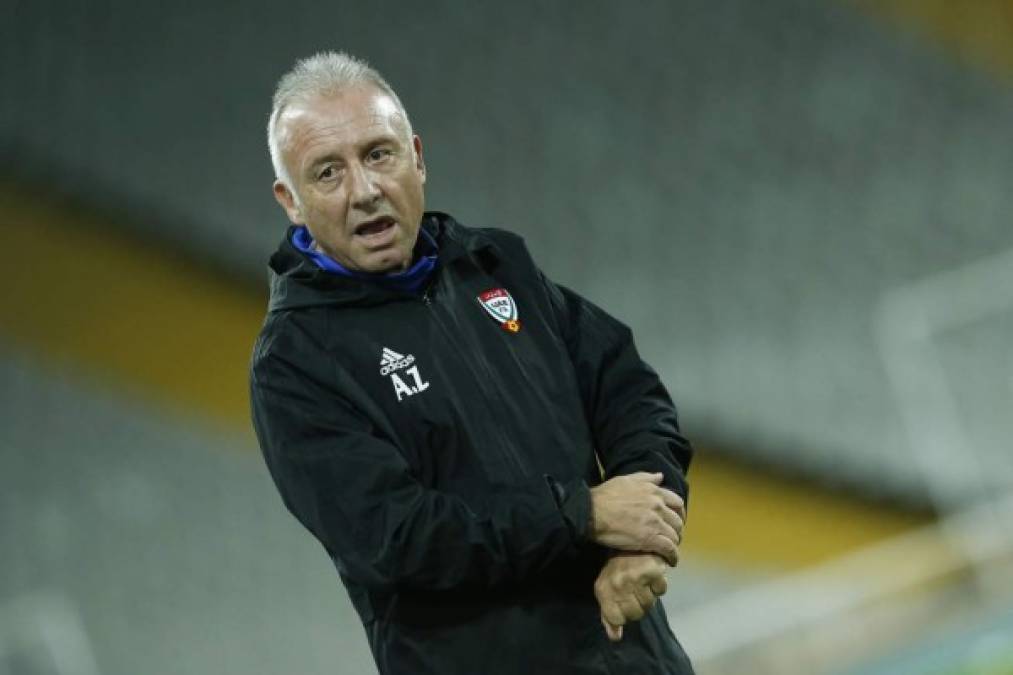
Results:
[391, 362]
[501, 306]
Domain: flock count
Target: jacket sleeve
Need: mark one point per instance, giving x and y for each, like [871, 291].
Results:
[633, 420]
[355, 491]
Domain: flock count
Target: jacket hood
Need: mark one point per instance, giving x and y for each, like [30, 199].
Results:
[296, 281]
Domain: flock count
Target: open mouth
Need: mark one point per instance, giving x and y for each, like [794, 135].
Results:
[375, 227]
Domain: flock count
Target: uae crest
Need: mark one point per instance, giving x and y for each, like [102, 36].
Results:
[501, 306]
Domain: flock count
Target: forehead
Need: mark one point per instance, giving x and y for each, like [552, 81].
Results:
[348, 117]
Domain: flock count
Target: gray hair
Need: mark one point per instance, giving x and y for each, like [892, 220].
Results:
[319, 75]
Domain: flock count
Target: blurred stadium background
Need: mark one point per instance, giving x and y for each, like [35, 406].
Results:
[801, 207]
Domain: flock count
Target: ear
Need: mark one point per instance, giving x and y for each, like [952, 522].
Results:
[286, 199]
[420, 164]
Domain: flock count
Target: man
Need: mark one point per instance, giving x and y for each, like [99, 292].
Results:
[440, 415]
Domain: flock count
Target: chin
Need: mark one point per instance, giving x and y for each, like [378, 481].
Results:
[388, 266]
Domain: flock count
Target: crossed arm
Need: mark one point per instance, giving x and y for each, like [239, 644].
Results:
[636, 430]
[633, 578]
[388, 531]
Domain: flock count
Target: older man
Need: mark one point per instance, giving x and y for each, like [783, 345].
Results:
[497, 476]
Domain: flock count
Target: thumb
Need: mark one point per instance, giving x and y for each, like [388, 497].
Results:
[655, 478]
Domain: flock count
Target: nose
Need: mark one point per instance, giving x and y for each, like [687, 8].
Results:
[363, 191]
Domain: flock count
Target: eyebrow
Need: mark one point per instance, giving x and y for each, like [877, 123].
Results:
[323, 159]
[368, 143]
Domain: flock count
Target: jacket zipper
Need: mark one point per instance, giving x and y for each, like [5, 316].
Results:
[427, 293]
[478, 368]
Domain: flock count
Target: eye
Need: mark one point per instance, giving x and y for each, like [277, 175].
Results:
[379, 154]
[327, 173]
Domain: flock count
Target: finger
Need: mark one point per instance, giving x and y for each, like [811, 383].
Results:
[631, 609]
[673, 501]
[614, 633]
[663, 529]
[655, 566]
[663, 546]
[655, 478]
[613, 614]
[666, 549]
[659, 586]
[645, 597]
[674, 521]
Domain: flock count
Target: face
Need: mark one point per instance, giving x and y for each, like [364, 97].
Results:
[358, 174]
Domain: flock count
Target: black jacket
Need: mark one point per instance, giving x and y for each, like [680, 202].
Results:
[444, 461]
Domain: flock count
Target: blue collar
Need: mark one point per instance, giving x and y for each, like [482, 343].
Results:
[410, 281]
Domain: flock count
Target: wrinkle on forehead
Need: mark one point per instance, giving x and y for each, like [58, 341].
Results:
[305, 124]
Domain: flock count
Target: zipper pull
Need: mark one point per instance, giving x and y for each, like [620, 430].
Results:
[427, 292]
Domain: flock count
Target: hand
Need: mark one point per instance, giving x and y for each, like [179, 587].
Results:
[634, 513]
[627, 587]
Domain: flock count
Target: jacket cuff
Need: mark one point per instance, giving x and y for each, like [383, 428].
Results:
[676, 481]
[574, 501]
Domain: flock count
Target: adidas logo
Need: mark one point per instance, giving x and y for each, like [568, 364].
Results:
[391, 361]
